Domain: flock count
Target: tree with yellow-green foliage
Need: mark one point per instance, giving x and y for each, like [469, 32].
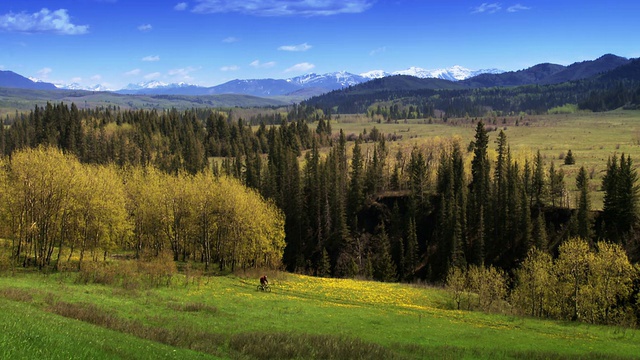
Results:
[97, 218]
[37, 202]
[534, 281]
[585, 284]
[55, 208]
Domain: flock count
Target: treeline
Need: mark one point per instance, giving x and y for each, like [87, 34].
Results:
[618, 88]
[56, 210]
[594, 284]
[354, 208]
[169, 140]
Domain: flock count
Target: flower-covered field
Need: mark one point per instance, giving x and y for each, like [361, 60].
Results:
[302, 317]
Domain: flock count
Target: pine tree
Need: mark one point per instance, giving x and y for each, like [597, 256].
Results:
[569, 159]
[538, 184]
[411, 251]
[500, 197]
[540, 231]
[356, 192]
[383, 267]
[479, 195]
[417, 170]
[583, 214]
[620, 209]
[324, 268]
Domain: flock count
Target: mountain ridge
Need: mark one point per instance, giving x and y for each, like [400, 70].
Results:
[313, 84]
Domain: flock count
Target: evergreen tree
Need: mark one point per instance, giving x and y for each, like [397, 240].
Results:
[324, 268]
[383, 267]
[540, 231]
[411, 251]
[556, 186]
[583, 214]
[417, 170]
[620, 209]
[569, 159]
[479, 196]
[538, 183]
[500, 197]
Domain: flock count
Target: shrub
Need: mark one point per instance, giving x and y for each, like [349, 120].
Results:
[261, 345]
[16, 294]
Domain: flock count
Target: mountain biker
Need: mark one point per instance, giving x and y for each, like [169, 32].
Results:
[264, 281]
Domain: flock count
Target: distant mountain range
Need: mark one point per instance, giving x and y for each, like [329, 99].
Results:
[307, 85]
[12, 80]
[315, 84]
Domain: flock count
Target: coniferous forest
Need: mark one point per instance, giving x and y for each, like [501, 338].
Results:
[196, 186]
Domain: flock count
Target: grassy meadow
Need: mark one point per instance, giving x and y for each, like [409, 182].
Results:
[54, 317]
[592, 138]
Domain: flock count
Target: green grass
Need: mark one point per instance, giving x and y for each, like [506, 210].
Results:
[302, 317]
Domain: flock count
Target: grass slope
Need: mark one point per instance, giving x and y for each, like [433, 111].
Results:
[303, 317]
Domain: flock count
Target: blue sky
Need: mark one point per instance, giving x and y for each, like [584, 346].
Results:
[208, 42]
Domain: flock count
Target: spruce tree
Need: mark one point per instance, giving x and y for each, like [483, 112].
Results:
[479, 196]
[583, 214]
[356, 191]
[411, 251]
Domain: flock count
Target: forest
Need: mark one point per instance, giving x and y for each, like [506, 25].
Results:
[397, 98]
[201, 188]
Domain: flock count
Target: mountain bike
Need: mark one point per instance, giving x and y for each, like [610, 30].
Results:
[265, 287]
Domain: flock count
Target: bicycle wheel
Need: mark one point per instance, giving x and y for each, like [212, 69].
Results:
[259, 288]
[267, 288]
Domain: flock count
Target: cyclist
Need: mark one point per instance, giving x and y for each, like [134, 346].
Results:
[263, 281]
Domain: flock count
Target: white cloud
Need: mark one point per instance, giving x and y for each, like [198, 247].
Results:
[76, 79]
[44, 72]
[181, 6]
[302, 67]
[151, 58]
[152, 76]
[487, 8]
[378, 51]
[230, 68]
[44, 21]
[230, 39]
[133, 72]
[184, 72]
[301, 47]
[96, 77]
[1, 67]
[145, 27]
[517, 7]
[257, 64]
[283, 7]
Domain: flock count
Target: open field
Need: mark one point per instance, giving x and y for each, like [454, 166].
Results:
[592, 138]
[23, 100]
[303, 317]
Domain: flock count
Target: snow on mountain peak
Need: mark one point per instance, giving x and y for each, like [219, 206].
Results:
[76, 86]
[374, 74]
[454, 73]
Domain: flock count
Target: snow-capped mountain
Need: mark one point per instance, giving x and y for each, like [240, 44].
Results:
[155, 84]
[454, 73]
[375, 74]
[308, 84]
[340, 78]
[76, 86]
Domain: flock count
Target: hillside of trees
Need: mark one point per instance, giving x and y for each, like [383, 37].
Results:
[357, 210]
[192, 184]
[611, 90]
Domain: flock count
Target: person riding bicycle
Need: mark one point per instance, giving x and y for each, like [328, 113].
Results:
[263, 281]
